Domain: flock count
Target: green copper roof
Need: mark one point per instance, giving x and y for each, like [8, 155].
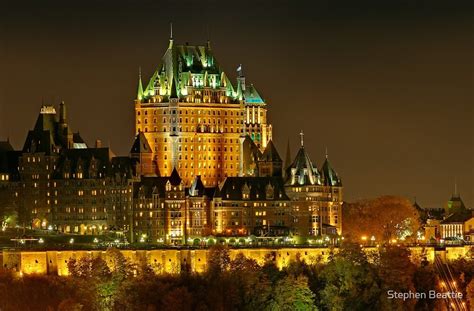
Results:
[186, 66]
[329, 175]
[251, 95]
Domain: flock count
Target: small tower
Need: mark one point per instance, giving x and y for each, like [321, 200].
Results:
[329, 175]
[142, 154]
[140, 85]
[302, 171]
[270, 164]
[287, 162]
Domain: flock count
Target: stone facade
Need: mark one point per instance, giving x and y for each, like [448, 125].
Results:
[173, 260]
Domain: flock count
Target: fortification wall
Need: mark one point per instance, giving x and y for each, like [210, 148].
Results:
[171, 260]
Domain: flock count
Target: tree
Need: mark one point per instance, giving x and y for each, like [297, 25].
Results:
[396, 272]
[89, 268]
[350, 282]
[470, 294]
[219, 259]
[293, 293]
[118, 264]
[384, 218]
[425, 280]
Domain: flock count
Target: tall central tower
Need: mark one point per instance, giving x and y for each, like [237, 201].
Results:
[193, 117]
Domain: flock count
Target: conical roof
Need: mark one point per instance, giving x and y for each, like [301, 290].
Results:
[330, 177]
[302, 171]
[141, 145]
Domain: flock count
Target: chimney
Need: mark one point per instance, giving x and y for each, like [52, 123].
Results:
[98, 143]
[62, 113]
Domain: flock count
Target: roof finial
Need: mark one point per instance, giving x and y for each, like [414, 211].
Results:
[139, 72]
[326, 152]
[302, 138]
[240, 71]
[171, 30]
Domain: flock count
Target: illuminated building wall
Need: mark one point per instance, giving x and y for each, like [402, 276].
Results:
[245, 206]
[316, 196]
[171, 260]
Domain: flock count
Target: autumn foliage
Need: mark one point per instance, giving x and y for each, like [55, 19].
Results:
[384, 218]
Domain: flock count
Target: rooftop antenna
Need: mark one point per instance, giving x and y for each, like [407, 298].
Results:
[302, 138]
[208, 37]
[455, 186]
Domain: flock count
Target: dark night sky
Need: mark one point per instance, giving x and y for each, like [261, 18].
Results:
[387, 88]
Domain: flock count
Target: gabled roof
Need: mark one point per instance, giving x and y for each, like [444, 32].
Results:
[71, 160]
[233, 188]
[174, 178]
[39, 141]
[251, 148]
[140, 144]
[9, 160]
[197, 187]
[460, 217]
[271, 153]
[5, 146]
[329, 175]
[149, 184]
[123, 167]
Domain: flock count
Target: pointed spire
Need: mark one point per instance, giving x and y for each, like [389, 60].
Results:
[171, 36]
[302, 138]
[288, 155]
[326, 152]
[239, 94]
[140, 85]
[208, 37]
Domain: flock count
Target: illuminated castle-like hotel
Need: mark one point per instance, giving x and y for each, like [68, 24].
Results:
[202, 164]
[195, 119]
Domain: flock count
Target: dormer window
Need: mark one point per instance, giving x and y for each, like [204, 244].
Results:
[269, 192]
